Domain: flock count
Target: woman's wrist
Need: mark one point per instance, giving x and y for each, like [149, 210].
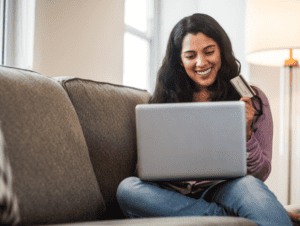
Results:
[248, 137]
[249, 134]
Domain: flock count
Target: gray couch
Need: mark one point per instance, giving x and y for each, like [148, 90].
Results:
[70, 142]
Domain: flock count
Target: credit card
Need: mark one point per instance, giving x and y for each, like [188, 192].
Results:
[242, 87]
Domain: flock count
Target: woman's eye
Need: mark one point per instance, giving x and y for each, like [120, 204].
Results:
[209, 53]
[189, 56]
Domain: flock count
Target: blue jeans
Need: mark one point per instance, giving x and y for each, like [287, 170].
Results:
[245, 197]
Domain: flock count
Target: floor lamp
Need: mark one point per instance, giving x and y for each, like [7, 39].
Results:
[273, 39]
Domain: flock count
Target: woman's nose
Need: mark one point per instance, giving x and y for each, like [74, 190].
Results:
[198, 60]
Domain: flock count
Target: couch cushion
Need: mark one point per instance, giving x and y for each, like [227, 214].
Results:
[53, 176]
[107, 116]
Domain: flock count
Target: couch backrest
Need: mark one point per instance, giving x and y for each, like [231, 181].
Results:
[107, 116]
[53, 177]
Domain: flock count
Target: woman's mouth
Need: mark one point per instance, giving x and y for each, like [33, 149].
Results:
[204, 72]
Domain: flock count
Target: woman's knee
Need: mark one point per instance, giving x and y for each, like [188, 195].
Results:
[249, 182]
[127, 186]
[128, 183]
[238, 189]
[251, 187]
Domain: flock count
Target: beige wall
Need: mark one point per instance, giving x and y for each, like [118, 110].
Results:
[80, 38]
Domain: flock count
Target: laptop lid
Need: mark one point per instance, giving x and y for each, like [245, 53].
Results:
[183, 141]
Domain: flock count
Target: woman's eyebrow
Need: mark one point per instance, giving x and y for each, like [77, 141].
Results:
[192, 51]
[189, 51]
[209, 46]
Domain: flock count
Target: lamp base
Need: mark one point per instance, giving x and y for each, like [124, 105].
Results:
[291, 62]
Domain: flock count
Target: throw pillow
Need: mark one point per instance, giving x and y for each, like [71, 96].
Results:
[9, 210]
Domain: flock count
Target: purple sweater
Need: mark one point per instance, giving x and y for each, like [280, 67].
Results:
[259, 150]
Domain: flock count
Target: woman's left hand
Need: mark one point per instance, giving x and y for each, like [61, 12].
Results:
[250, 111]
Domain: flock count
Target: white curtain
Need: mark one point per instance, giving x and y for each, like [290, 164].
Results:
[19, 33]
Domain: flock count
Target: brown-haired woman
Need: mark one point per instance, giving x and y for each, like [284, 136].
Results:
[198, 66]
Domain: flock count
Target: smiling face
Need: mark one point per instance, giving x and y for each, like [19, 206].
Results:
[201, 59]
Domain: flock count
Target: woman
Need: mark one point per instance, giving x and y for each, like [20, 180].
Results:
[198, 66]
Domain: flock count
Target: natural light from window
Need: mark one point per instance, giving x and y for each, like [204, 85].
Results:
[136, 14]
[136, 62]
[1, 31]
[137, 41]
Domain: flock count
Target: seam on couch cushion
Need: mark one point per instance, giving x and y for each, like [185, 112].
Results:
[68, 79]
[20, 69]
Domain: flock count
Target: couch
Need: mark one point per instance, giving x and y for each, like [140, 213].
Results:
[70, 142]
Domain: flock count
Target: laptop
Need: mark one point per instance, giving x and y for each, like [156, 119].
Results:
[191, 141]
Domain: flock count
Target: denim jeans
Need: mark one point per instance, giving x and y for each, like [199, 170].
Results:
[245, 197]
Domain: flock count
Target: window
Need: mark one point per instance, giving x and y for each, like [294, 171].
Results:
[138, 43]
[17, 32]
[2, 16]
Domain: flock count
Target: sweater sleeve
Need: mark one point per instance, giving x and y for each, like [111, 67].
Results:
[259, 147]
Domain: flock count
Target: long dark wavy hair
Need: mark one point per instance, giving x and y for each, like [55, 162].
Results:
[173, 85]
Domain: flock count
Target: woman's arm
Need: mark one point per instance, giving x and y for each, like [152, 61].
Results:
[259, 146]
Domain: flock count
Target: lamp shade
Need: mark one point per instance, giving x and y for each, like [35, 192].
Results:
[272, 29]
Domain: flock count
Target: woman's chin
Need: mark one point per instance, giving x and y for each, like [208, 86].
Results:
[205, 84]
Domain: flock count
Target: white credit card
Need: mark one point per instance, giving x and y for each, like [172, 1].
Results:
[242, 87]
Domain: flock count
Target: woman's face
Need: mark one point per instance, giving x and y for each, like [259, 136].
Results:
[201, 59]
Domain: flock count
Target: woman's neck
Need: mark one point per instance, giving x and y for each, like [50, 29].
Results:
[202, 96]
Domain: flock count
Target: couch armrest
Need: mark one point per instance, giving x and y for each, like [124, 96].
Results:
[178, 221]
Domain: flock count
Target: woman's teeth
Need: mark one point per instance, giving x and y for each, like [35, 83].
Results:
[204, 72]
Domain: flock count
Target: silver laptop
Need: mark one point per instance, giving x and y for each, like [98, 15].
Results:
[186, 141]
